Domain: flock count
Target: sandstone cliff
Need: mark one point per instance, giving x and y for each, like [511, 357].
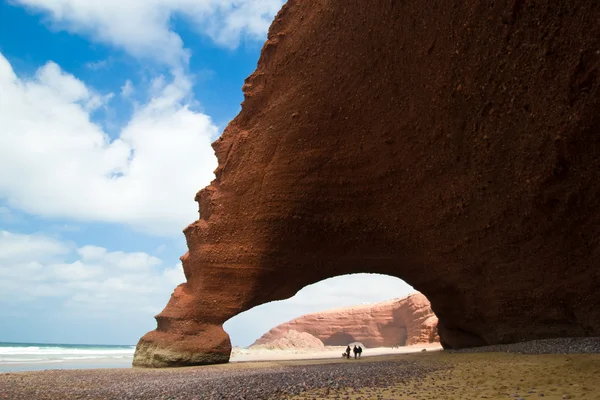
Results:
[455, 145]
[398, 322]
[290, 339]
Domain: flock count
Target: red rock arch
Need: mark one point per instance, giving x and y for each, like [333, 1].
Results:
[455, 146]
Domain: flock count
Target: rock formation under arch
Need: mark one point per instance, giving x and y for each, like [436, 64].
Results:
[455, 145]
[290, 339]
[398, 322]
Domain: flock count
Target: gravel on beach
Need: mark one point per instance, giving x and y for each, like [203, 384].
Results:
[427, 373]
[584, 345]
[266, 381]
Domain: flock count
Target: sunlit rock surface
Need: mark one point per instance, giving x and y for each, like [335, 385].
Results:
[398, 322]
[290, 339]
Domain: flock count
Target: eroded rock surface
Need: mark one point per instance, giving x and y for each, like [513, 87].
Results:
[288, 340]
[455, 145]
[398, 322]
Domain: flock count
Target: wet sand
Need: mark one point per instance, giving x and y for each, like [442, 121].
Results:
[67, 364]
[427, 375]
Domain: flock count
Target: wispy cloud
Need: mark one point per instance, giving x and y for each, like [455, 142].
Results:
[127, 89]
[97, 65]
[7, 216]
[89, 280]
[34, 248]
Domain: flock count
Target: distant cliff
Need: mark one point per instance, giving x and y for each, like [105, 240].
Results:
[398, 322]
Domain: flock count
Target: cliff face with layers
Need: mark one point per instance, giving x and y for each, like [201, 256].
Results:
[454, 145]
[398, 322]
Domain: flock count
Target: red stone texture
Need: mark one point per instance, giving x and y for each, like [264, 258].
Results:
[399, 322]
[452, 144]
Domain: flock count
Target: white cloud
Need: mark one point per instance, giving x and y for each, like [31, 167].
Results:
[96, 283]
[160, 249]
[66, 228]
[29, 248]
[91, 253]
[64, 165]
[122, 261]
[97, 65]
[143, 28]
[127, 89]
[63, 87]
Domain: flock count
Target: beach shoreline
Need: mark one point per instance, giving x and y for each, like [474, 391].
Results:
[8, 367]
[239, 355]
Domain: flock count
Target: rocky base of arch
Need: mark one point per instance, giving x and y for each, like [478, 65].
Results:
[183, 336]
[163, 349]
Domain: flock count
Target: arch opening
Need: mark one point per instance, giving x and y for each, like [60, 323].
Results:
[372, 309]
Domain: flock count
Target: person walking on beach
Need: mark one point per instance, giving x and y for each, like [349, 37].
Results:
[359, 351]
[355, 350]
[348, 352]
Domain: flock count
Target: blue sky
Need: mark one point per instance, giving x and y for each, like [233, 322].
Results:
[107, 112]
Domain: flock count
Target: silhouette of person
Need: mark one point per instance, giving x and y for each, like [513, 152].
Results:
[348, 352]
[355, 350]
[359, 351]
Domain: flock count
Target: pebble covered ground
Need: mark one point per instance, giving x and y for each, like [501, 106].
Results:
[529, 372]
[588, 345]
[251, 381]
[556, 369]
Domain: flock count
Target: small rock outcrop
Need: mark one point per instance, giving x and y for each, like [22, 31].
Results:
[290, 340]
[454, 145]
[398, 322]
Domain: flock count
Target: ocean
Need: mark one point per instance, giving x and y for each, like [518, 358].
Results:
[38, 356]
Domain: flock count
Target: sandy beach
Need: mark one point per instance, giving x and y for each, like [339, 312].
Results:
[485, 376]
[330, 352]
[420, 375]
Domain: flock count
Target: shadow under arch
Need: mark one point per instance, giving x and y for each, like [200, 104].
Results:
[339, 339]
